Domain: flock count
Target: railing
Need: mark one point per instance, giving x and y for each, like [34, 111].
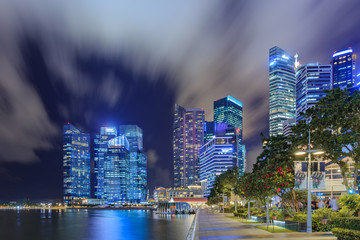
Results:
[192, 230]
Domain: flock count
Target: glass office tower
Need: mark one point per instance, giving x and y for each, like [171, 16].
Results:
[281, 89]
[229, 110]
[100, 150]
[188, 137]
[209, 131]
[76, 163]
[116, 171]
[138, 166]
[343, 63]
[216, 157]
[311, 81]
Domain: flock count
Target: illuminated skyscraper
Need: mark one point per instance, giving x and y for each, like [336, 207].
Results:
[281, 89]
[100, 150]
[343, 63]
[209, 131]
[76, 163]
[138, 166]
[116, 170]
[229, 110]
[216, 157]
[188, 137]
[311, 81]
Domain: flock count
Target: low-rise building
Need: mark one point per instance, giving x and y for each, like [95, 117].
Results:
[166, 194]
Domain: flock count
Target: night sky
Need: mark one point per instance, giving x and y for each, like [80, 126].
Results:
[124, 62]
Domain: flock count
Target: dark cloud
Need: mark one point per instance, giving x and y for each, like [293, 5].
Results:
[205, 50]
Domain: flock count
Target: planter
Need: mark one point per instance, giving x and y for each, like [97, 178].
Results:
[274, 217]
[324, 220]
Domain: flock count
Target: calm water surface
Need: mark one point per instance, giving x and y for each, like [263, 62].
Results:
[73, 224]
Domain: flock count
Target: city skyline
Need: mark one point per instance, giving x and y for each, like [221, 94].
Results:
[101, 67]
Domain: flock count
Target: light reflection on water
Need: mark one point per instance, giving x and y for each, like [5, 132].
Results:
[76, 224]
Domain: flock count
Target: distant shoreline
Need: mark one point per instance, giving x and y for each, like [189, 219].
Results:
[66, 208]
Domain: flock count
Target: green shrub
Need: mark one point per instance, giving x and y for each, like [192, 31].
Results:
[346, 234]
[352, 202]
[346, 212]
[317, 226]
[352, 223]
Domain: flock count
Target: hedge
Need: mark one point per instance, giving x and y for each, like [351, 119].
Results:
[346, 234]
[352, 223]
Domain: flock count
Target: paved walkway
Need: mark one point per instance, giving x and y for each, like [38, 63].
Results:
[217, 226]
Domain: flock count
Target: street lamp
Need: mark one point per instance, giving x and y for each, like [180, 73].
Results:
[309, 152]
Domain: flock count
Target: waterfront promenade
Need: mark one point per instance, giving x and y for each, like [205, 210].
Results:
[213, 226]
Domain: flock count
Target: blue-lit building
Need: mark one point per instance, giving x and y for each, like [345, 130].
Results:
[281, 89]
[311, 81]
[188, 137]
[100, 150]
[216, 157]
[138, 164]
[209, 130]
[343, 65]
[229, 110]
[76, 163]
[116, 171]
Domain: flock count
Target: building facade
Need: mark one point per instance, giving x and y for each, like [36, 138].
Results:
[216, 157]
[228, 112]
[76, 163]
[188, 137]
[100, 150]
[117, 171]
[166, 194]
[209, 130]
[311, 81]
[287, 126]
[138, 163]
[281, 89]
[343, 64]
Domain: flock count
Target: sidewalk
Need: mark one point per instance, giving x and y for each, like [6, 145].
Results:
[218, 226]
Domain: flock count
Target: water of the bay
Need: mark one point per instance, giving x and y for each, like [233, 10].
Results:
[89, 224]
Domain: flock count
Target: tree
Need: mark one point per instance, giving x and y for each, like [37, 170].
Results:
[273, 174]
[335, 128]
[224, 183]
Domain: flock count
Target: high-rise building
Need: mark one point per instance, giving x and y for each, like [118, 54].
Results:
[216, 157]
[188, 137]
[138, 166]
[311, 81]
[281, 89]
[229, 110]
[209, 131]
[287, 126]
[76, 163]
[100, 150]
[343, 64]
[116, 170]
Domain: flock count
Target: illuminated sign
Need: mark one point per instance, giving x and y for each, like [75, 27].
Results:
[342, 52]
[226, 150]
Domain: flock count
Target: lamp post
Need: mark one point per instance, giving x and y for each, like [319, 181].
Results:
[309, 152]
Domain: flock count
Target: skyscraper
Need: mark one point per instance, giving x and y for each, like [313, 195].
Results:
[188, 137]
[209, 131]
[116, 170]
[138, 166]
[311, 81]
[229, 110]
[216, 157]
[281, 89]
[343, 63]
[76, 163]
[100, 150]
